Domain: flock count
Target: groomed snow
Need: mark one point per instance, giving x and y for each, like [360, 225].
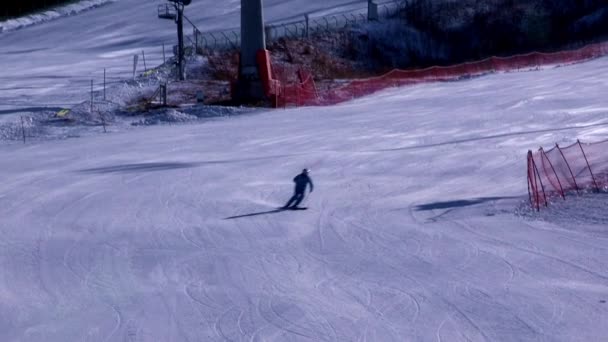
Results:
[52, 63]
[418, 228]
[50, 14]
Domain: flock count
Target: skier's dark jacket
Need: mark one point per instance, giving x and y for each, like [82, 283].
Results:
[301, 181]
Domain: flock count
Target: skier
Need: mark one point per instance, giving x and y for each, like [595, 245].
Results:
[301, 180]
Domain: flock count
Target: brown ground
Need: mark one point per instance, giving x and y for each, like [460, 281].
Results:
[322, 56]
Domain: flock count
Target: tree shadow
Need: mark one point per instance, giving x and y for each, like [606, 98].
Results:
[30, 109]
[255, 214]
[457, 203]
[161, 166]
[139, 167]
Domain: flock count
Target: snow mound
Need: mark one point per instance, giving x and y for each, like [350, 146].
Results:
[165, 116]
[58, 12]
[102, 111]
[15, 130]
[184, 115]
[219, 111]
[588, 209]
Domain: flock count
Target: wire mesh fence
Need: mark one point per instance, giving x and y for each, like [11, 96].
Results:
[562, 171]
[297, 91]
[308, 26]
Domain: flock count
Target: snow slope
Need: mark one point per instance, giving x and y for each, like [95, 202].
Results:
[418, 228]
[53, 13]
[51, 64]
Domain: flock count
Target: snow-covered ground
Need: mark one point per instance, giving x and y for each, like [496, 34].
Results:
[52, 13]
[418, 228]
[51, 64]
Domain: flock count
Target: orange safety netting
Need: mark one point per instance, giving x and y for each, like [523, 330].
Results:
[302, 91]
[562, 170]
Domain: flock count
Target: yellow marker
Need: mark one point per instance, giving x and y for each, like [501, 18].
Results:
[62, 113]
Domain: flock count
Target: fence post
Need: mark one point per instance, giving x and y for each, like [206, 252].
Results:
[532, 183]
[568, 165]
[529, 180]
[587, 161]
[164, 60]
[91, 96]
[537, 178]
[135, 57]
[163, 94]
[104, 84]
[561, 189]
[195, 41]
[23, 128]
[103, 121]
[144, 56]
[307, 24]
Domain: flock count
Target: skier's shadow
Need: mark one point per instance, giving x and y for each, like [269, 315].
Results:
[255, 214]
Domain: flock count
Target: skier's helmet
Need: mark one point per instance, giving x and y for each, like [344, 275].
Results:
[306, 171]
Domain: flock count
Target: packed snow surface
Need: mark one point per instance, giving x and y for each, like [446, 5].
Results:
[52, 63]
[50, 14]
[418, 228]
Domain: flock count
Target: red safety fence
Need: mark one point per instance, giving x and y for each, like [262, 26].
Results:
[302, 91]
[561, 171]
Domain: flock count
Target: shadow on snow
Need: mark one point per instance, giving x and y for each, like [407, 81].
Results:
[457, 203]
[140, 167]
[255, 214]
[161, 166]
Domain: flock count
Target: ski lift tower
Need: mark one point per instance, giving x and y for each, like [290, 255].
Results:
[175, 11]
[249, 86]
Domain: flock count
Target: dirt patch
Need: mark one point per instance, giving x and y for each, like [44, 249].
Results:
[325, 56]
